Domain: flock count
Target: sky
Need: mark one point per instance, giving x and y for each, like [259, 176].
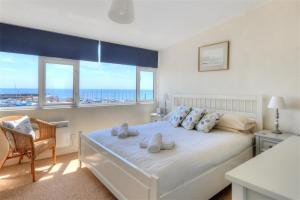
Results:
[21, 71]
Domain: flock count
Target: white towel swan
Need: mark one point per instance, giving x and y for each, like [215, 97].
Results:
[155, 143]
[167, 143]
[123, 131]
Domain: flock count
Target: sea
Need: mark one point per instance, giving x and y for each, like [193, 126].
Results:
[85, 94]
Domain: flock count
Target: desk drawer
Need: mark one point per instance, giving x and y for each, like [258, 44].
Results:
[266, 144]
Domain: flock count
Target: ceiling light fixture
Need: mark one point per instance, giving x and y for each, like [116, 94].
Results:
[121, 11]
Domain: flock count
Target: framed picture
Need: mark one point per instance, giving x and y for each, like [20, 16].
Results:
[213, 57]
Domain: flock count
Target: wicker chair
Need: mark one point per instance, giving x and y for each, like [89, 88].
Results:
[24, 145]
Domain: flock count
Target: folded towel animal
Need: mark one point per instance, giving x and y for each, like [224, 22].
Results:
[155, 143]
[123, 131]
[132, 132]
[114, 131]
[167, 144]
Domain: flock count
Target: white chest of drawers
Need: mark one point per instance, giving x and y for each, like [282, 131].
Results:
[272, 175]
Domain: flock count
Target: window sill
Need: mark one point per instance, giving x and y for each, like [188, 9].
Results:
[56, 107]
[105, 105]
[147, 102]
[116, 104]
[29, 108]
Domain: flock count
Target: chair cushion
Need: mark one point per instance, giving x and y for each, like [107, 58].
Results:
[42, 145]
[21, 125]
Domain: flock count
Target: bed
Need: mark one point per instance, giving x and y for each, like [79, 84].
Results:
[193, 170]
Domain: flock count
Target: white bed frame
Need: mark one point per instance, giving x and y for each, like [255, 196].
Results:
[127, 181]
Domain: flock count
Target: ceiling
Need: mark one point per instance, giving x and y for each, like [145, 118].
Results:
[158, 23]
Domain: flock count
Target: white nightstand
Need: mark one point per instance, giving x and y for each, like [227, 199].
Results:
[265, 140]
[156, 117]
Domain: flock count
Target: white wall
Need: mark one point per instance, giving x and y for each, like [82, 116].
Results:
[87, 119]
[264, 60]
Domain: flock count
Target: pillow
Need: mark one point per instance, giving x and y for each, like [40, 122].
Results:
[167, 116]
[237, 122]
[178, 116]
[22, 125]
[193, 118]
[229, 129]
[208, 122]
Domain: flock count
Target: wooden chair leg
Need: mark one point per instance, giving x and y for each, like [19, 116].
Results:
[54, 155]
[80, 163]
[33, 168]
[20, 159]
[2, 164]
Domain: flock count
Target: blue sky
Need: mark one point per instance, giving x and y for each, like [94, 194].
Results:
[21, 71]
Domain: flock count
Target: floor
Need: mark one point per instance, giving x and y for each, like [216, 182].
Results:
[65, 180]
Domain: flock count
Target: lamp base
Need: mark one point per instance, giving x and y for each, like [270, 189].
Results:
[277, 132]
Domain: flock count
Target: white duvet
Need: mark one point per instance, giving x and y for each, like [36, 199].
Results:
[195, 152]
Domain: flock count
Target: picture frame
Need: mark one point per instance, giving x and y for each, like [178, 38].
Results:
[213, 57]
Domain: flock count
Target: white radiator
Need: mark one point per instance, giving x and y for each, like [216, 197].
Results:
[63, 134]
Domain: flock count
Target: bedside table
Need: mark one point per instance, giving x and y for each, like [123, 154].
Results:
[156, 117]
[265, 140]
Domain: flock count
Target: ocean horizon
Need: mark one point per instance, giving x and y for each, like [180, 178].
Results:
[85, 94]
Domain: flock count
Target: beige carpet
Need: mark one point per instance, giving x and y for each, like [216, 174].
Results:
[65, 180]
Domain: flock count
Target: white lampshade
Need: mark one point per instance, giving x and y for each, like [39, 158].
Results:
[121, 11]
[277, 102]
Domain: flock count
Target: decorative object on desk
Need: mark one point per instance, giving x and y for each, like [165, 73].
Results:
[166, 98]
[213, 57]
[121, 11]
[277, 103]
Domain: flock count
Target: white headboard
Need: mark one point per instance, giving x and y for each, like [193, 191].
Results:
[250, 106]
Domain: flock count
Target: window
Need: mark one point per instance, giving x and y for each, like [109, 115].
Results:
[147, 84]
[58, 77]
[18, 80]
[59, 83]
[27, 80]
[107, 83]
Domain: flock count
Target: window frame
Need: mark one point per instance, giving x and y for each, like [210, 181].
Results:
[42, 80]
[138, 83]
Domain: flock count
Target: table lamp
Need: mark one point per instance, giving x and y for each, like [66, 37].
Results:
[277, 103]
[166, 98]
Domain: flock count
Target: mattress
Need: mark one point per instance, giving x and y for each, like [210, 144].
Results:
[194, 154]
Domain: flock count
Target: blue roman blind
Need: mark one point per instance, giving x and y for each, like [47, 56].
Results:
[121, 54]
[17, 39]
